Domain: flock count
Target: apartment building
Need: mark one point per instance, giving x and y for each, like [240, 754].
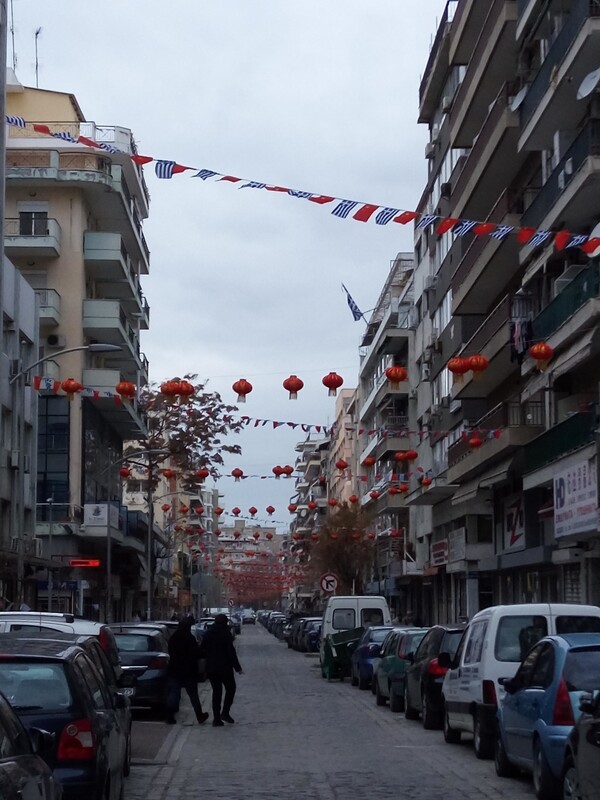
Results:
[511, 450]
[73, 228]
[342, 482]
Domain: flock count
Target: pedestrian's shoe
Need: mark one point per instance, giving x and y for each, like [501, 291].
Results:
[227, 718]
[202, 718]
[217, 723]
[170, 719]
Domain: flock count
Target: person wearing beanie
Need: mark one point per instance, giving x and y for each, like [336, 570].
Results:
[182, 672]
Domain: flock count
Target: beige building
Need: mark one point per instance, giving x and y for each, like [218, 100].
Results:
[342, 483]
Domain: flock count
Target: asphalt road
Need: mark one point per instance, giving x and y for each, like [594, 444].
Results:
[298, 736]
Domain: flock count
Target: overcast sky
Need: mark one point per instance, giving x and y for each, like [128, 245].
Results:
[317, 95]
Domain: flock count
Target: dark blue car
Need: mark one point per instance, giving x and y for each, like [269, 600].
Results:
[366, 651]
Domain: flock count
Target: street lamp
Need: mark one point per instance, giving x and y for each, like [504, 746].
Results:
[17, 380]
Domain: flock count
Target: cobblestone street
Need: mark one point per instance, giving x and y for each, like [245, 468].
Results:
[298, 736]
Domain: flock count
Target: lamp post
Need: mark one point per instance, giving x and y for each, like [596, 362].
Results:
[50, 502]
[17, 380]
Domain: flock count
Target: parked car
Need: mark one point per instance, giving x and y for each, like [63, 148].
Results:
[424, 675]
[391, 670]
[361, 660]
[344, 613]
[145, 656]
[300, 630]
[496, 641]
[286, 631]
[272, 620]
[278, 627]
[304, 637]
[581, 774]
[55, 687]
[167, 626]
[314, 637]
[236, 621]
[540, 707]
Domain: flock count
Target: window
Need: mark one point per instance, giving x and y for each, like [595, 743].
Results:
[543, 671]
[371, 616]
[379, 636]
[450, 643]
[35, 685]
[344, 619]
[525, 671]
[578, 624]
[582, 670]
[516, 636]
[13, 739]
[475, 642]
[33, 223]
[90, 678]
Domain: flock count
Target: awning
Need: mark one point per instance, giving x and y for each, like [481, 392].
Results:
[467, 492]
[497, 474]
[437, 491]
[478, 489]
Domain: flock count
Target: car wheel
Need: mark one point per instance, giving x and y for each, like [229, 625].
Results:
[484, 745]
[504, 768]
[409, 711]
[127, 761]
[363, 683]
[545, 784]
[396, 702]
[379, 698]
[430, 718]
[570, 784]
[451, 735]
[354, 680]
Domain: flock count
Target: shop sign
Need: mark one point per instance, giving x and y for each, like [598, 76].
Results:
[439, 553]
[97, 515]
[457, 545]
[576, 499]
[514, 524]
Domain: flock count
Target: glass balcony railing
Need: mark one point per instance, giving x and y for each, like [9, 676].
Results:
[581, 289]
[571, 434]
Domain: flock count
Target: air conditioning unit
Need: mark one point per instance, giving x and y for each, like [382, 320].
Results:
[412, 395]
[56, 341]
[38, 546]
[427, 356]
[425, 372]
[435, 133]
[445, 401]
[436, 410]
[446, 103]
[429, 283]
[14, 544]
[430, 150]
[446, 190]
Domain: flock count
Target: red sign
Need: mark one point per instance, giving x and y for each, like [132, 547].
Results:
[84, 562]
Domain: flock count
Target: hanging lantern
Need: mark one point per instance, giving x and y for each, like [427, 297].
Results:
[170, 389]
[217, 511]
[478, 364]
[458, 367]
[184, 509]
[396, 375]
[332, 502]
[371, 536]
[312, 505]
[475, 441]
[166, 507]
[169, 473]
[278, 472]
[404, 487]
[542, 353]
[427, 481]
[353, 499]
[400, 456]
[333, 381]
[292, 508]
[322, 480]
[177, 528]
[297, 537]
[252, 511]
[356, 536]
[287, 470]
[369, 462]
[202, 473]
[393, 490]
[411, 455]
[237, 473]
[242, 387]
[341, 464]
[256, 536]
[198, 510]
[374, 495]
[236, 511]
[125, 472]
[293, 384]
[185, 391]
[71, 387]
[270, 510]
[334, 536]
[395, 534]
[236, 534]
[217, 532]
[126, 390]
[268, 535]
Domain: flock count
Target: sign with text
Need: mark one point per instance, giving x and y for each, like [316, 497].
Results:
[98, 515]
[457, 545]
[576, 499]
[439, 553]
[514, 523]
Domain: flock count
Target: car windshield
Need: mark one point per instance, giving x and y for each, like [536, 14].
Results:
[582, 670]
[450, 643]
[134, 643]
[33, 686]
[379, 635]
[516, 636]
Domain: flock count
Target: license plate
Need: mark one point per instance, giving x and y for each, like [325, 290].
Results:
[129, 691]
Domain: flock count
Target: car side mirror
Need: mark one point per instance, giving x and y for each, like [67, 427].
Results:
[445, 660]
[41, 741]
[509, 684]
[586, 703]
[120, 700]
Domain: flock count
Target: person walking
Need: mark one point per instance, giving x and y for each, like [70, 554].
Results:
[182, 672]
[221, 662]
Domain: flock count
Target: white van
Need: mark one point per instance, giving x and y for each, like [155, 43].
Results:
[495, 642]
[354, 611]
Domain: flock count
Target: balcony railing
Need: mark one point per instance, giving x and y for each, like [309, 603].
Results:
[585, 145]
[442, 30]
[505, 415]
[571, 434]
[61, 512]
[496, 319]
[48, 299]
[579, 13]
[581, 289]
[32, 227]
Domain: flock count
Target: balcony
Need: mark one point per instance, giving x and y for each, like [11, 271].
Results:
[394, 436]
[490, 64]
[391, 335]
[488, 265]
[382, 390]
[436, 69]
[109, 264]
[585, 287]
[466, 26]
[106, 321]
[571, 191]
[516, 423]
[32, 238]
[573, 433]
[552, 96]
[49, 307]
[125, 417]
[492, 341]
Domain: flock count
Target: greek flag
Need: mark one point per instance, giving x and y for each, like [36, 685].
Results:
[502, 231]
[426, 220]
[18, 121]
[108, 147]
[577, 241]
[253, 185]
[464, 226]
[296, 193]
[344, 208]
[386, 215]
[356, 312]
[64, 136]
[204, 174]
[540, 237]
[164, 169]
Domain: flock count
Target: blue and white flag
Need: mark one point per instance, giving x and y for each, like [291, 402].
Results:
[577, 240]
[296, 193]
[356, 312]
[19, 122]
[108, 147]
[205, 173]
[540, 237]
[64, 136]
[344, 208]
[253, 185]
[426, 220]
[464, 226]
[502, 232]
[164, 169]
[386, 215]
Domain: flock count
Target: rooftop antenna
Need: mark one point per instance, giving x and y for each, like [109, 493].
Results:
[37, 63]
[12, 35]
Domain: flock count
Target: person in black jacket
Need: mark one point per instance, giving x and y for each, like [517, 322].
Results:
[221, 661]
[183, 671]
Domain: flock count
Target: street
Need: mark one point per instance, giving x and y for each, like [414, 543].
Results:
[297, 735]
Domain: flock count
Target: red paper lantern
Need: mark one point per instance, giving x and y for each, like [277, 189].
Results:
[369, 462]
[356, 536]
[400, 456]
[478, 364]
[218, 511]
[126, 390]
[242, 387]
[333, 381]
[458, 367]
[297, 537]
[353, 499]
[395, 534]
[287, 470]
[293, 384]
[198, 510]
[292, 508]
[184, 509]
[169, 473]
[542, 353]
[334, 536]
[125, 472]
[217, 532]
[270, 510]
[314, 537]
[269, 535]
[185, 391]
[170, 389]
[475, 441]
[411, 455]
[371, 536]
[332, 502]
[341, 464]
[236, 511]
[374, 494]
[202, 473]
[404, 487]
[312, 505]
[396, 375]
[71, 387]
[237, 473]
[278, 472]
[166, 507]
[392, 490]
[426, 481]
[252, 511]
[322, 480]
[236, 534]
[256, 536]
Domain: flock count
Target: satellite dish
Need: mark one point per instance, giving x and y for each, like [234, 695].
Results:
[588, 84]
[518, 98]
[595, 234]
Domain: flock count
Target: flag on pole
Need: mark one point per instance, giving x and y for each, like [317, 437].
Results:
[356, 312]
